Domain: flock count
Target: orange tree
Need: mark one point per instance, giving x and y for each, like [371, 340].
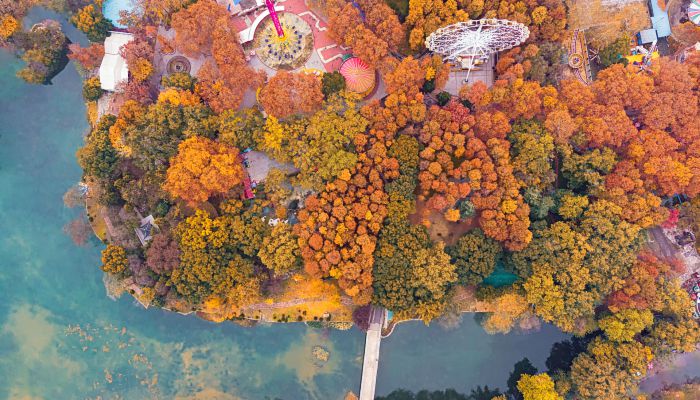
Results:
[203, 168]
[288, 93]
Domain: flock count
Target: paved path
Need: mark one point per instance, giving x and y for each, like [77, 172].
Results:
[370, 363]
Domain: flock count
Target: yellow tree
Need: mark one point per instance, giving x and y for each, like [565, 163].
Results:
[280, 251]
[538, 387]
[8, 26]
[203, 168]
[114, 259]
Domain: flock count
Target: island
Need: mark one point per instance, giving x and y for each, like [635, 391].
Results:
[370, 162]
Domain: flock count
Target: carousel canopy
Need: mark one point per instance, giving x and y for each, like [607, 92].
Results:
[694, 12]
[359, 77]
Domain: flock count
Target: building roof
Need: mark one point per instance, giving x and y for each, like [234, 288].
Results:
[113, 69]
[659, 20]
[144, 231]
[647, 36]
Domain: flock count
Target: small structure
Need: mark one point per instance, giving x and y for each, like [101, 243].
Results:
[359, 77]
[144, 231]
[647, 36]
[113, 69]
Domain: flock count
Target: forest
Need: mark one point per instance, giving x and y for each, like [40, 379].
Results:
[551, 180]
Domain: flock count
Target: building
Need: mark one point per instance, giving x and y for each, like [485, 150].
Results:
[659, 19]
[145, 229]
[113, 69]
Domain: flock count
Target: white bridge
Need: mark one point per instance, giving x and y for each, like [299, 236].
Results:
[370, 364]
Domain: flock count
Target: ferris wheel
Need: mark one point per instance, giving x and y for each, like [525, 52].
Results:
[472, 42]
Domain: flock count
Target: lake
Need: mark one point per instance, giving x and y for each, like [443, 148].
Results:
[61, 337]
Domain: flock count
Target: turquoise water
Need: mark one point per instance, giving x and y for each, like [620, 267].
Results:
[61, 337]
[111, 9]
[500, 277]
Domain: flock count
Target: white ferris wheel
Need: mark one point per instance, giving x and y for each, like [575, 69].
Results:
[471, 42]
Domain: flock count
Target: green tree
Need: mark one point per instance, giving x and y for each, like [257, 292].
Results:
[332, 82]
[92, 89]
[443, 98]
[587, 171]
[615, 52]
[238, 128]
[98, 158]
[474, 256]
[179, 80]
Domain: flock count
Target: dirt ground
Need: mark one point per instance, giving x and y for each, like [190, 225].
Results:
[603, 23]
[441, 229]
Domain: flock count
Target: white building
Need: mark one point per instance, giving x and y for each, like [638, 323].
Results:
[113, 69]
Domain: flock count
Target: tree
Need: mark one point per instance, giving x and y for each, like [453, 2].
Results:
[114, 260]
[44, 49]
[474, 256]
[537, 387]
[163, 254]
[8, 26]
[609, 370]
[382, 20]
[88, 57]
[179, 80]
[92, 89]
[211, 267]
[615, 52]
[360, 317]
[521, 368]
[532, 154]
[508, 307]
[90, 20]
[195, 26]
[98, 158]
[205, 28]
[280, 251]
[290, 93]
[347, 27]
[624, 325]
[238, 128]
[426, 16]
[332, 82]
[203, 168]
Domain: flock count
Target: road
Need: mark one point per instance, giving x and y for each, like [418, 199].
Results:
[370, 364]
[662, 245]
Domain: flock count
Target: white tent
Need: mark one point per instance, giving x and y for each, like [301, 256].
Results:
[113, 69]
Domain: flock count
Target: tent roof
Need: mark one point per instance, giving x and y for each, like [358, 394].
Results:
[359, 77]
[113, 69]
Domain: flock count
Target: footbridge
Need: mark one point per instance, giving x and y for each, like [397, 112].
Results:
[370, 364]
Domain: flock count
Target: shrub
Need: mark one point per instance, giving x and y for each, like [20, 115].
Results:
[443, 98]
[92, 89]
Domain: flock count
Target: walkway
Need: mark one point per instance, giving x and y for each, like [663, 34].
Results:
[370, 364]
